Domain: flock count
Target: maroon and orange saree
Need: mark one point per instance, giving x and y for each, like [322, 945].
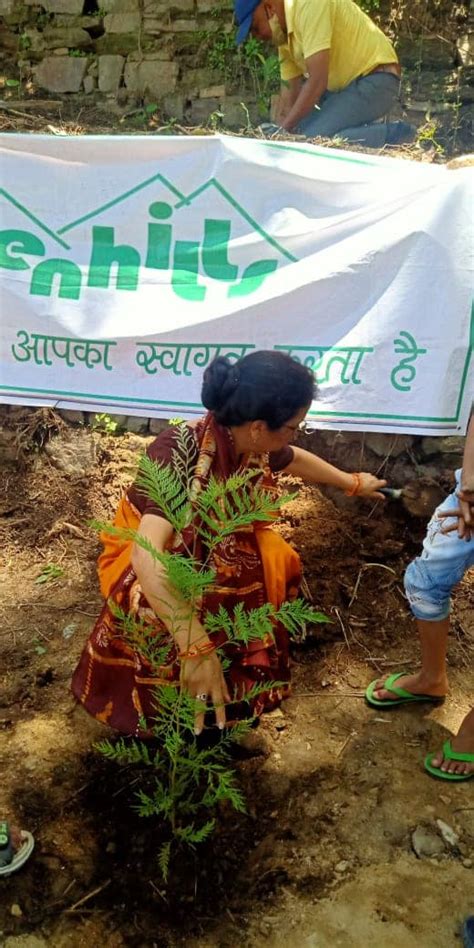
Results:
[254, 565]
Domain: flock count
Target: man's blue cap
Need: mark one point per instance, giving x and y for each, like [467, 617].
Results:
[244, 10]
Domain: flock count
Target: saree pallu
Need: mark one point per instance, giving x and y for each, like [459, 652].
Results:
[114, 682]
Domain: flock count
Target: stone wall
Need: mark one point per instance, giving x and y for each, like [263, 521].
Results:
[426, 462]
[179, 56]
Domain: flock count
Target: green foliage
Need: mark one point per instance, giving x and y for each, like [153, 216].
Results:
[48, 573]
[249, 66]
[76, 53]
[426, 136]
[183, 782]
[105, 423]
[369, 6]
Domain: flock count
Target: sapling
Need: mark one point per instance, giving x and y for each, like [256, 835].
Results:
[190, 780]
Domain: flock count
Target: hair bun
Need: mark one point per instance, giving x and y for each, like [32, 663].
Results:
[221, 379]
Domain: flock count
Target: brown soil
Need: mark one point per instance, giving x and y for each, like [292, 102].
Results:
[324, 857]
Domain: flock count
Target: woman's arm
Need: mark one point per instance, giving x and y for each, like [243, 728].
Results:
[202, 675]
[165, 601]
[314, 470]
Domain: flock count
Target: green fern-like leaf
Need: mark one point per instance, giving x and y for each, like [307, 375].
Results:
[133, 752]
[295, 615]
[190, 835]
[163, 486]
[164, 856]
[226, 506]
[183, 457]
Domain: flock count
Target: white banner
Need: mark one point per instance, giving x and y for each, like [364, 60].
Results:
[128, 264]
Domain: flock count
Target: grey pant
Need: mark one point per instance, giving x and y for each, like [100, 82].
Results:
[349, 112]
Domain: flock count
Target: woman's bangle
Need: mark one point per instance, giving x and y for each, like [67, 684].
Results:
[197, 651]
[355, 486]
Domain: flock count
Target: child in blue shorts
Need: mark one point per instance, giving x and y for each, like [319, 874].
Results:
[448, 551]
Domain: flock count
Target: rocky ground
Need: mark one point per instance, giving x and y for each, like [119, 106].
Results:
[345, 840]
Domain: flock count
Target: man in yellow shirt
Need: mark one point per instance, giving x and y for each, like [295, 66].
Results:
[339, 71]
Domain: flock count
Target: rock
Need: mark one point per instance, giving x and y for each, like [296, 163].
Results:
[174, 106]
[74, 452]
[34, 39]
[462, 161]
[384, 445]
[61, 74]
[180, 26]
[450, 837]
[166, 7]
[434, 52]
[89, 85]
[212, 92]
[448, 445]
[137, 424]
[16, 911]
[110, 72]
[157, 425]
[71, 416]
[467, 863]
[122, 22]
[116, 44]
[6, 7]
[342, 866]
[73, 7]
[151, 77]
[120, 6]
[8, 446]
[235, 116]
[426, 842]
[161, 54]
[465, 49]
[72, 38]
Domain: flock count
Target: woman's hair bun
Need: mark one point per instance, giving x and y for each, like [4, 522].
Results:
[267, 385]
[221, 379]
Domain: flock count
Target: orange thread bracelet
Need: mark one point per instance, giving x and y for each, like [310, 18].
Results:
[355, 486]
[196, 650]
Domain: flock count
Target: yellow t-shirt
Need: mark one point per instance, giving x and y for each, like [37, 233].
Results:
[356, 44]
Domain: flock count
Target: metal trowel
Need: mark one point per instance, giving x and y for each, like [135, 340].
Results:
[420, 498]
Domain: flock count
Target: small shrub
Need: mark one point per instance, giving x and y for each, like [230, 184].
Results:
[189, 782]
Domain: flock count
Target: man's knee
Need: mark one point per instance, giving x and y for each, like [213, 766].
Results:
[428, 601]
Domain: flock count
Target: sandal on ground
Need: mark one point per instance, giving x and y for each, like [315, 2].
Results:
[11, 860]
[401, 695]
[449, 754]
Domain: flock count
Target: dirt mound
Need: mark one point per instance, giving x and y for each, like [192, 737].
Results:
[324, 855]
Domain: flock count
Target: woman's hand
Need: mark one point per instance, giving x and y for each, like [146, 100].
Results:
[203, 678]
[369, 485]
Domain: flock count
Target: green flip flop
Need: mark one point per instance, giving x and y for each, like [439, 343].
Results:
[449, 754]
[402, 696]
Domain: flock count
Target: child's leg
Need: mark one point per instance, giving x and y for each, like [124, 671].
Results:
[429, 581]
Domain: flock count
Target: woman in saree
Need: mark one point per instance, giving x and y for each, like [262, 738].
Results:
[255, 407]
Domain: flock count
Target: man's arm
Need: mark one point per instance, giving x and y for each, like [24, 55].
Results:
[289, 93]
[311, 91]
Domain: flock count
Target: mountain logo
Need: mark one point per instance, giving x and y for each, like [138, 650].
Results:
[175, 244]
